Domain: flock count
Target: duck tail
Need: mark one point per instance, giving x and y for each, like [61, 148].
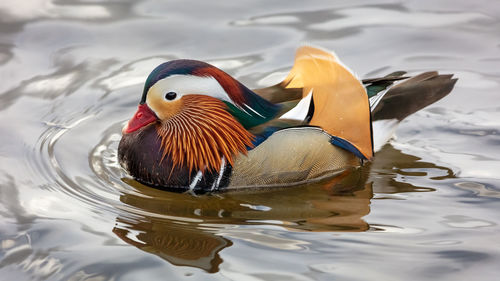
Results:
[390, 105]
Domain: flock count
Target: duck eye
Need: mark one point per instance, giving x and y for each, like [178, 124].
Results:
[170, 95]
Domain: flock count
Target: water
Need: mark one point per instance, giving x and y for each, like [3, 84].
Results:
[425, 209]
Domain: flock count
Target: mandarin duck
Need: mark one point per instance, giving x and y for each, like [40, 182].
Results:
[198, 129]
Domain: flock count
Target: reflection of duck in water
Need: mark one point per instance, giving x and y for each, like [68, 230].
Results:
[197, 128]
[176, 243]
[193, 231]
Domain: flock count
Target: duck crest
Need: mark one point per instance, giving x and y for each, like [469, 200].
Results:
[204, 132]
[246, 106]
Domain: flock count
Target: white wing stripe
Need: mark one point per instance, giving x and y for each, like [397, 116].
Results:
[299, 112]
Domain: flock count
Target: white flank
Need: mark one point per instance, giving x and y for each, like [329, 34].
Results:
[299, 112]
[383, 130]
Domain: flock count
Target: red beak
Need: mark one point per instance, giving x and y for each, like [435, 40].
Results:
[142, 117]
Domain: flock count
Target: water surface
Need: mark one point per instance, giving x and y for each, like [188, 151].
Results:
[425, 209]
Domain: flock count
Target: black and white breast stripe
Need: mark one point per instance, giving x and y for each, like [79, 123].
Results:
[211, 181]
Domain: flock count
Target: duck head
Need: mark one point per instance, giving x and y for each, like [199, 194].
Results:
[198, 114]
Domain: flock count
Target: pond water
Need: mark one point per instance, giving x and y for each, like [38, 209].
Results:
[427, 207]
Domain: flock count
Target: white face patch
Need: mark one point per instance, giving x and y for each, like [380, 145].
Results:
[189, 85]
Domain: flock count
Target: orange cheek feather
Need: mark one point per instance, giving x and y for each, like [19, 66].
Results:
[164, 109]
[201, 133]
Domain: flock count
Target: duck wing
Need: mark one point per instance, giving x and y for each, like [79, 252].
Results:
[332, 99]
[317, 73]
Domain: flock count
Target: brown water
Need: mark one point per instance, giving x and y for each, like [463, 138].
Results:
[71, 74]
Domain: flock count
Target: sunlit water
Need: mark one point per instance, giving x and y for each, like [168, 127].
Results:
[71, 74]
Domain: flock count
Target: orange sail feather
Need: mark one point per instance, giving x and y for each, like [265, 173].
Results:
[340, 100]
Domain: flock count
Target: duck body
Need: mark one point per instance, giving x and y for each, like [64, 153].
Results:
[199, 129]
[289, 156]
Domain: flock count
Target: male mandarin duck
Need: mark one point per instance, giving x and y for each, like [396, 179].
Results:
[199, 129]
